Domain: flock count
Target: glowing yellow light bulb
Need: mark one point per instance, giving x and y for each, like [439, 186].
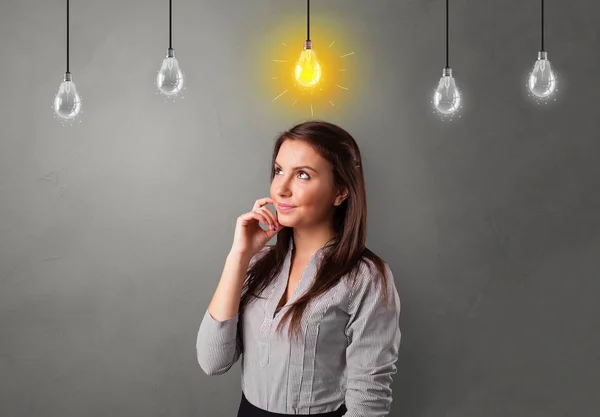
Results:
[308, 69]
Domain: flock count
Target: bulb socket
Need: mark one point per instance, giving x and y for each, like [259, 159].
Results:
[447, 72]
[308, 44]
[542, 55]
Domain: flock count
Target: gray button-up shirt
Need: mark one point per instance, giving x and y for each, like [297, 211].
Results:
[346, 353]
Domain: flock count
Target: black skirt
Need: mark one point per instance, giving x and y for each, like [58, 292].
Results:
[249, 410]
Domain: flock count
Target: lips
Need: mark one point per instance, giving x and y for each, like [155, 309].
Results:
[284, 206]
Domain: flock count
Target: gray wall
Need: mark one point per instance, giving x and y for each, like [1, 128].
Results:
[114, 232]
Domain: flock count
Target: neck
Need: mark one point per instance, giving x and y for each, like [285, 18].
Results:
[308, 242]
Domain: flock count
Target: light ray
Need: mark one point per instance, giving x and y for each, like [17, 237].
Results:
[279, 96]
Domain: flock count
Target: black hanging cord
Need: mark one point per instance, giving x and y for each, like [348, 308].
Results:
[542, 25]
[307, 20]
[447, 48]
[67, 36]
[170, 25]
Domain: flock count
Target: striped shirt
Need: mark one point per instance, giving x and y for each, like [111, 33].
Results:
[347, 351]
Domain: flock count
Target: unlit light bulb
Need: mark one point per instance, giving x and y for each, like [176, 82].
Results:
[446, 98]
[170, 77]
[542, 81]
[67, 103]
[308, 70]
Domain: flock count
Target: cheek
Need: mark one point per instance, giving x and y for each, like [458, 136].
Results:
[312, 200]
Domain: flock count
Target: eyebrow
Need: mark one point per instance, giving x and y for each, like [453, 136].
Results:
[300, 167]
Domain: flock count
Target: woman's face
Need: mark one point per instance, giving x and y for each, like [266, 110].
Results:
[303, 179]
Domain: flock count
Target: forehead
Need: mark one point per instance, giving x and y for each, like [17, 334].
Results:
[297, 152]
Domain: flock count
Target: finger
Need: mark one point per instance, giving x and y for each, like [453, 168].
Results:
[261, 202]
[264, 219]
[271, 216]
[256, 216]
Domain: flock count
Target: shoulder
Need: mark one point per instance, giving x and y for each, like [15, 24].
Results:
[371, 278]
[371, 269]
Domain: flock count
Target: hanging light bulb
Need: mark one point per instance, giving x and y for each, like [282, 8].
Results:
[446, 98]
[67, 102]
[542, 81]
[169, 79]
[308, 70]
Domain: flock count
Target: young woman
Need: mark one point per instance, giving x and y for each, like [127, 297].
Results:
[336, 298]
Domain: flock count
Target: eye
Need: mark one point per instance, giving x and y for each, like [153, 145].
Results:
[276, 169]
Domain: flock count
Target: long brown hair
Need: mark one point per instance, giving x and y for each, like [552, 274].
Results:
[343, 254]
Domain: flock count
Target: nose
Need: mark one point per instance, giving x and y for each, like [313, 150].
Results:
[281, 186]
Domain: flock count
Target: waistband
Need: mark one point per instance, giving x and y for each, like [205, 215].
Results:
[247, 409]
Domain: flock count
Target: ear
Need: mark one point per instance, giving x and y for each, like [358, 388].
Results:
[342, 195]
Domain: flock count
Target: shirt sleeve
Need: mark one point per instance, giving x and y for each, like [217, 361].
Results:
[374, 341]
[219, 344]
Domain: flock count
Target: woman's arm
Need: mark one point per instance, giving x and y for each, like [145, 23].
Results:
[374, 334]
